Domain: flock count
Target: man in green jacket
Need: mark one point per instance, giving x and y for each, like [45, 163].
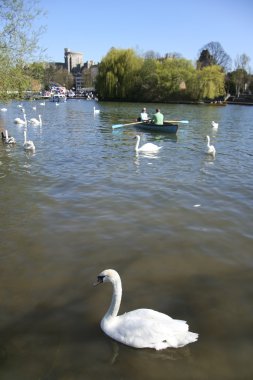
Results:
[157, 117]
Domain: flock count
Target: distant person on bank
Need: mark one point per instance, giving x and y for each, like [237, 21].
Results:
[158, 117]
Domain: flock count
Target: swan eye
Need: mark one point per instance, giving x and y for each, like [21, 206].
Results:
[101, 279]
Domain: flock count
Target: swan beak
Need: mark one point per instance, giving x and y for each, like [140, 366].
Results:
[100, 280]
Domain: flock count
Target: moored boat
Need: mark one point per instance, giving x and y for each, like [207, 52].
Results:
[165, 128]
[58, 98]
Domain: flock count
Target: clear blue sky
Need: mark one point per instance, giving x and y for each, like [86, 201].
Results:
[92, 27]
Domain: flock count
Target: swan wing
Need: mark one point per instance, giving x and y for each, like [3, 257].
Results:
[149, 147]
[148, 328]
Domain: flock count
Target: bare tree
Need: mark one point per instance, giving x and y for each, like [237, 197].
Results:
[242, 62]
[220, 57]
[241, 74]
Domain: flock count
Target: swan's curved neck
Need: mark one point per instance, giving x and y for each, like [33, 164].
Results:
[116, 299]
[208, 141]
[137, 143]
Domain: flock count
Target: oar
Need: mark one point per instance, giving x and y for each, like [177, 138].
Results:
[125, 125]
[177, 121]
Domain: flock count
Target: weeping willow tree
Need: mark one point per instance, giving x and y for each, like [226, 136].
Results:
[207, 83]
[174, 76]
[117, 73]
[18, 43]
[211, 82]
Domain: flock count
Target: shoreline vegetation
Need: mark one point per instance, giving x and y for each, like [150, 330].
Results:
[122, 74]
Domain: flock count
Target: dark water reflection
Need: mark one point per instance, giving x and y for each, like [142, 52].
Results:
[177, 226]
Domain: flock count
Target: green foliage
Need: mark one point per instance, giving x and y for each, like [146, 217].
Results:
[118, 73]
[123, 75]
[18, 41]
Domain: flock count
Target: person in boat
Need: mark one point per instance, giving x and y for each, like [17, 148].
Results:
[157, 117]
[144, 115]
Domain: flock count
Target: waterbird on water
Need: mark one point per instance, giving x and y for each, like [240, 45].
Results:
[18, 120]
[215, 125]
[95, 110]
[8, 139]
[149, 147]
[142, 327]
[210, 148]
[35, 121]
[28, 144]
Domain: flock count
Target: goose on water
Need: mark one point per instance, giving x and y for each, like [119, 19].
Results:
[142, 327]
[210, 148]
[149, 147]
[28, 144]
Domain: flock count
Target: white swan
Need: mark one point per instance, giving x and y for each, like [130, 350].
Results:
[142, 327]
[210, 148]
[42, 103]
[28, 144]
[3, 109]
[8, 140]
[35, 121]
[18, 120]
[96, 111]
[215, 125]
[149, 147]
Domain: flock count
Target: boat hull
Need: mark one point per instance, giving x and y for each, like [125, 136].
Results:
[165, 128]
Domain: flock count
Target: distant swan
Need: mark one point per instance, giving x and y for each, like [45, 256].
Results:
[28, 144]
[95, 111]
[215, 125]
[8, 140]
[42, 104]
[142, 327]
[149, 147]
[3, 109]
[18, 120]
[210, 148]
[36, 121]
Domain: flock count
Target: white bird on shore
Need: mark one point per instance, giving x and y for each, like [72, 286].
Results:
[149, 147]
[210, 148]
[215, 125]
[141, 328]
[28, 144]
[95, 111]
[35, 121]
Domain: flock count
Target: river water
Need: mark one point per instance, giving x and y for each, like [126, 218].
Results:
[177, 226]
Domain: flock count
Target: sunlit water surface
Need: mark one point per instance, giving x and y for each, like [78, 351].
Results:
[177, 226]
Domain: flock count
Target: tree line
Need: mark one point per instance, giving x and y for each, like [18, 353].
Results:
[122, 73]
